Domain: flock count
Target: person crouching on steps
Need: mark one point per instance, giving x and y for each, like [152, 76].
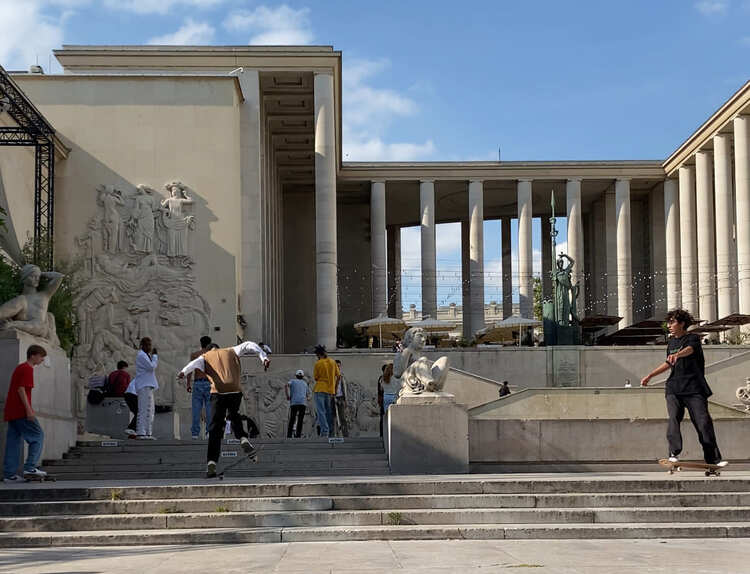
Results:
[223, 369]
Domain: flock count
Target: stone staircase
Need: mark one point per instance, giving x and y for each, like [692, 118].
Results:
[639, 505]
[131, 459]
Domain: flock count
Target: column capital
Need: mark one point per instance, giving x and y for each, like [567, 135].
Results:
[377, 180]
[525, 180]
[704, 152]
[623, 178]
[426, 181]
[574, 179]
[475, 180]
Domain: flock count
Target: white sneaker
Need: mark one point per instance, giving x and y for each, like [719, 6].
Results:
[129, 432]
[150, 437]
[673, 458]
[36, 473]
[722, 464]
[13, 479]
[196, 437]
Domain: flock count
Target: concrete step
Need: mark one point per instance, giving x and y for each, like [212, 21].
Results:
[125, 459]
[242, 470]
[386, 503]
[380, 486]
[395, 532]
[170, 517]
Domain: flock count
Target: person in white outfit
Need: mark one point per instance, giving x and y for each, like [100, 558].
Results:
[145, 385]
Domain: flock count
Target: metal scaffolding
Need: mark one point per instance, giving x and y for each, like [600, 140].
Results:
[32, 129]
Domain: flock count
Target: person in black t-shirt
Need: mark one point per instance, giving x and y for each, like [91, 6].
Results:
[686, 388]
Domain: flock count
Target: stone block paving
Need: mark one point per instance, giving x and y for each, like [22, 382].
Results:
[674, 556]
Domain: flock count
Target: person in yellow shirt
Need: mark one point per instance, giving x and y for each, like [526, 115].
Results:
[325, 373]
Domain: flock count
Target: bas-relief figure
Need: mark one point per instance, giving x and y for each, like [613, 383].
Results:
[138, 282]
[28, 311]
[416, 372]
[265, 402]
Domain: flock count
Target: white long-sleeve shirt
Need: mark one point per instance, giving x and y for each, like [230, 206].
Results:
[145, 371]
[246, 348]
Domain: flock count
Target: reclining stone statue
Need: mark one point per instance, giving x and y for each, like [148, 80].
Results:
[28, 311]
[417, 373]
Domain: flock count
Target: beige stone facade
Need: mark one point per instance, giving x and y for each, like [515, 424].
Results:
[283, 241]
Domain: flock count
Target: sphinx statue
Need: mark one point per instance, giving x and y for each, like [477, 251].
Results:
[416, 372]
[27, 312]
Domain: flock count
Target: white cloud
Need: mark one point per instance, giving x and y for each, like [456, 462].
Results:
[27, 33]
[157, 6]
[273, 26]
[367, 113]
[190, 33]
[712, 7]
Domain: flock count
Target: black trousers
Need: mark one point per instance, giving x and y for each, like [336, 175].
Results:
[697, 406]
[296, 413]
[132, 402]
[220, 405]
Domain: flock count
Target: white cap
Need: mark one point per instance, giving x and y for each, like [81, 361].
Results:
[300, 373]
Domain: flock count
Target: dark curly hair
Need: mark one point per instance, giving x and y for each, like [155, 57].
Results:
[681, 316]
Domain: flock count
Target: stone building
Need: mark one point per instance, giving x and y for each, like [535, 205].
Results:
[203, 190]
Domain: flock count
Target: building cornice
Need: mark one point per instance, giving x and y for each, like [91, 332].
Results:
[734, 106]
[506, 170]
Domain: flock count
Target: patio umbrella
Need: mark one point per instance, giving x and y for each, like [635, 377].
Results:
[435, 326]
[493, 334]
[518, 322]
[375, 326]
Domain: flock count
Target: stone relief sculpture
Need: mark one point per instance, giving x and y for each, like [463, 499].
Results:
[28, 311]
[175, 224]
[267, 405]
[417, 373]
[138, 282]
[566, 293]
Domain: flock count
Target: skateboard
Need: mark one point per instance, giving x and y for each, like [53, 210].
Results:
[708, 469]
[252, 457]
[48, 478]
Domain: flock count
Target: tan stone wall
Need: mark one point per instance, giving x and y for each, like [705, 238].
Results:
[127, 131]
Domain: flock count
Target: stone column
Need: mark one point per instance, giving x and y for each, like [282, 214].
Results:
[429, 263]
[672, 243]
[394, 272]
[507, 267]
[325, 212]
[742, 193]
[726, 264]
[656, 270]
[704, 208]
[476, 253]
[610, 223]
[525, 255]
[624, 261]
[379, 249]
[688, 240]
[465, 281]
[575, 238]
[251, 276]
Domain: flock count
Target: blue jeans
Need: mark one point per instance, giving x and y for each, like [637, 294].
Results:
[21, 430]
[324, 408]
[388, 400]
[201, 398]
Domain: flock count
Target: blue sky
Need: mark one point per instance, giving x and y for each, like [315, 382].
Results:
[437, 80]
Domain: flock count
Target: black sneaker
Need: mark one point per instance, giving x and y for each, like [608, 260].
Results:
[211, 469]
[247, 446]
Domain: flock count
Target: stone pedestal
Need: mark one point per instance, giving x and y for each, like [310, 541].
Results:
[111, 417]
[428, 434]
[52, 396]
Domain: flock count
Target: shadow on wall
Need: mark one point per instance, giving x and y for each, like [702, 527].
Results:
[141, 275]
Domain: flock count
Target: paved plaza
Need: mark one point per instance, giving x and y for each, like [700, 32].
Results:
[398, 557]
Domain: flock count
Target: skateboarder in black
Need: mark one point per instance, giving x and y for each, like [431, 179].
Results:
[686, 388]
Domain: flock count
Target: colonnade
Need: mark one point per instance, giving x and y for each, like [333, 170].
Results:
[707, 218]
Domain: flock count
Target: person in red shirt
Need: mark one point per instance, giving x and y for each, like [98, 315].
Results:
[22, 423]
[118, 381]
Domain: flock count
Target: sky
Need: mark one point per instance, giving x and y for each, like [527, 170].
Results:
[439, 80]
